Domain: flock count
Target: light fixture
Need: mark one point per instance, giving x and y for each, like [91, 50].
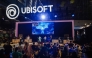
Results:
[43, 17]
[55, 15]
[72, 15]
[25, 17]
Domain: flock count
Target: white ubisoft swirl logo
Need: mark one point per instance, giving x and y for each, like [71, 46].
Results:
[12, 11]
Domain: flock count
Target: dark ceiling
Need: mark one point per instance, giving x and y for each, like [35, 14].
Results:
[64, 9]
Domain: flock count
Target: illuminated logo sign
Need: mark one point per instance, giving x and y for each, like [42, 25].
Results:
[13, 11]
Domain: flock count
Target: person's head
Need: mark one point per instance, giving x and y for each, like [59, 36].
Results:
[54, 43]
[77, 46]
[71, 42]
[16, 49]
[13, 45]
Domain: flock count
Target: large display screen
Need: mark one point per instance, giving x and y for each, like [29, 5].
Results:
[43, 28]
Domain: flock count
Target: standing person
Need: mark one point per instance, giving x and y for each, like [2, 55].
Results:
[20, 48]
[28, 50]
[8, 50]
[71, 44]
[50, 38]
[39, 39]
[59, 53]
[45, 38]
[16, 54]
[59, 39]
[65, 51]
[28, 38]
[74, 54]
[33, 47]
[21, 40]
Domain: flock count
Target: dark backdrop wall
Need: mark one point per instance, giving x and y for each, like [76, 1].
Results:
[63, 28]
[25, 29]
[88, 32]
[84, 38]
[60, 29]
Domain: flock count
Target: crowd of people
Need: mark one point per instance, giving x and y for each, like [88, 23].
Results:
[45, 50]
[6, 36]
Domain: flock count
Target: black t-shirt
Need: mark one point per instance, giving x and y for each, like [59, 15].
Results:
[71, 45]
[33, 47]
[8, 48]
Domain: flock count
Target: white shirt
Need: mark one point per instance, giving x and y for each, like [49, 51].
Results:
[44, 38]
[20, 37]
[39, 39]
[28, 37]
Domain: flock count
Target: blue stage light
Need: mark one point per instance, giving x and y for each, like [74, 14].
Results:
[43, 17]
[72, 15]
[55, 15]
[25, 17]
[42, 28]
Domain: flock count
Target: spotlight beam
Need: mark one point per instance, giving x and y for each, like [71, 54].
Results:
[43, 17]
